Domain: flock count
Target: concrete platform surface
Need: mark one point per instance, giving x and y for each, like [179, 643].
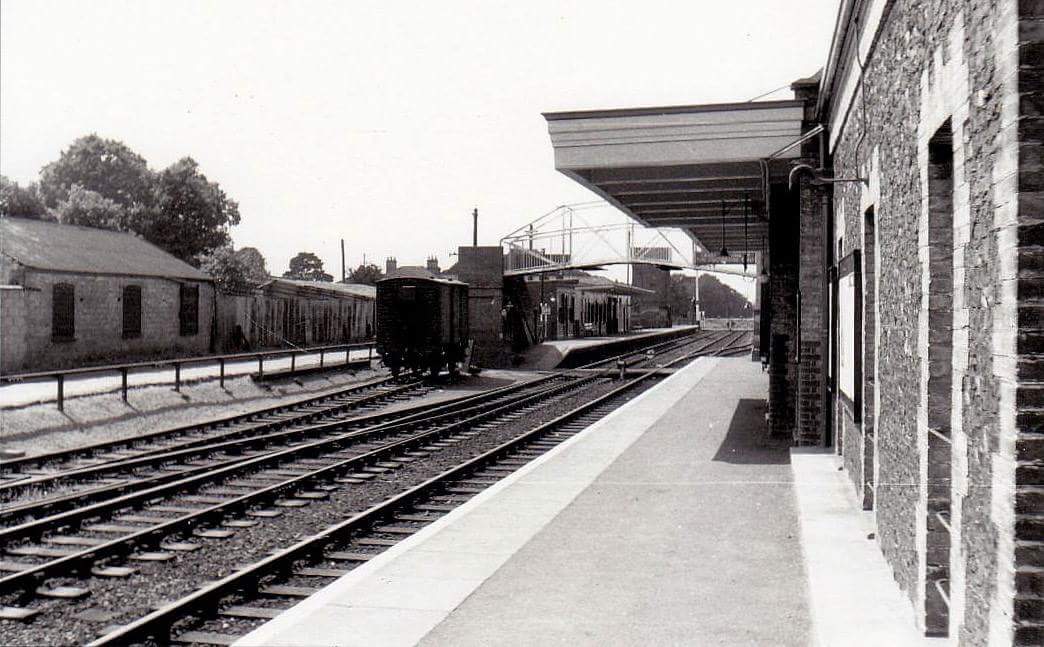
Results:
[664, 523]
[670, 522]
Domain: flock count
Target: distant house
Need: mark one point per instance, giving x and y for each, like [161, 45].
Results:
[73, 295]
[285, 313]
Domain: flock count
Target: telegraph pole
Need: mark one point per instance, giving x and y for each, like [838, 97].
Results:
[474, 228]
[344, 274]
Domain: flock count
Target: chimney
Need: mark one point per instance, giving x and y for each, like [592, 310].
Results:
[433, 265]
[390, 265]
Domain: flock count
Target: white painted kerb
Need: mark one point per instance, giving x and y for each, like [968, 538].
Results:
[853, 598]
[397, 597]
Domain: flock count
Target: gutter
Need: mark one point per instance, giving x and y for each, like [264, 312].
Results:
[837, 46]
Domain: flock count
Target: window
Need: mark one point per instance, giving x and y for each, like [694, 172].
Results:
[131, 311]
[189, 310]
[63, 312]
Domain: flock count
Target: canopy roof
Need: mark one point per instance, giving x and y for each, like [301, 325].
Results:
[683, 166]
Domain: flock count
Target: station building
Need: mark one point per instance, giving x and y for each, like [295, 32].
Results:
[73, 295]
[900, 193]
[573, 303]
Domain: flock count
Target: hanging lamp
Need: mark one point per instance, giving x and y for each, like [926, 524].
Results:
[746, 209]
[724, 250]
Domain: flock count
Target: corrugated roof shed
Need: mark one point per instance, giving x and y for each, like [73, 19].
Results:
[326, 287]
[56, 247]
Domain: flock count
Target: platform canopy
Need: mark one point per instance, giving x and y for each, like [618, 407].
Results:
[690, 167]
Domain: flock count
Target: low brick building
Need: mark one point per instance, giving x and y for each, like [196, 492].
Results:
[71, 296]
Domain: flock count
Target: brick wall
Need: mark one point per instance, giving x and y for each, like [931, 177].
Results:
[649, 309]
[812, 283]
[933, 61]
[1029, 423]
[14, 302]
[99, 321]
[780, 311]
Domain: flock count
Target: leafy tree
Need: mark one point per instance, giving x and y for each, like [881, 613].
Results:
[306, 266]
[228, 271]
[367, 273]
[104, 166]
[191, 214]
[716, 298]
[254, 264]
[21, 202]
[85, 207]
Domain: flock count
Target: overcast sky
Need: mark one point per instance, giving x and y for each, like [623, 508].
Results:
[383, 123]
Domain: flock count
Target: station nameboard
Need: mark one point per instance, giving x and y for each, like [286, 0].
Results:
[850, 333]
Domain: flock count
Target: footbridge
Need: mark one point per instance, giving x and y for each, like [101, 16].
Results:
[593, 235]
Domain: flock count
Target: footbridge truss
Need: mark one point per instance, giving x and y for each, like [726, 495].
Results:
[592, 235]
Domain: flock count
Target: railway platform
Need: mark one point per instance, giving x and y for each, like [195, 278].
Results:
[558, 352]
[671, 521]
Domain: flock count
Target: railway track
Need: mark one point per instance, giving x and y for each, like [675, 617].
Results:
[68, 541]
[154, 521]
[201, 456]
[18, 472]
[258, 592]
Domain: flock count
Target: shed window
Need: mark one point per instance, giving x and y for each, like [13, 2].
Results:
[131, 311]
[189, 310]
[63, 312]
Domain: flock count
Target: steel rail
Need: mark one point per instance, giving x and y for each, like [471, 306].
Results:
[407, 415]
[150, 535]
[156, 626]
[109, 445]
[233, 440]
[189, 448]
[77, 498]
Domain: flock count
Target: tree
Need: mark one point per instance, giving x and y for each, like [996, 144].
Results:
[85, 207]
[21, 202]
[367, 273]
[253, 264]
[191, 215]
[104, 166]
[228, 272]
[716, 298]
[306, 266]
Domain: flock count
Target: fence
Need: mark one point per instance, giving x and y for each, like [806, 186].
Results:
[125, 369]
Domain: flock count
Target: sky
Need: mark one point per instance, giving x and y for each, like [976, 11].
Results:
[382, 123]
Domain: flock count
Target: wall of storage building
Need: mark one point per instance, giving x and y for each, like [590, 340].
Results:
[263, 320]
[98, 332]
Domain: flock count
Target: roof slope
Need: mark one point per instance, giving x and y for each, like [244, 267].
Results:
[56, 247]
[326, 287]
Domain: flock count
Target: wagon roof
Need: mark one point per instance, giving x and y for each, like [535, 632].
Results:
[410, 272]
[322, 288]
